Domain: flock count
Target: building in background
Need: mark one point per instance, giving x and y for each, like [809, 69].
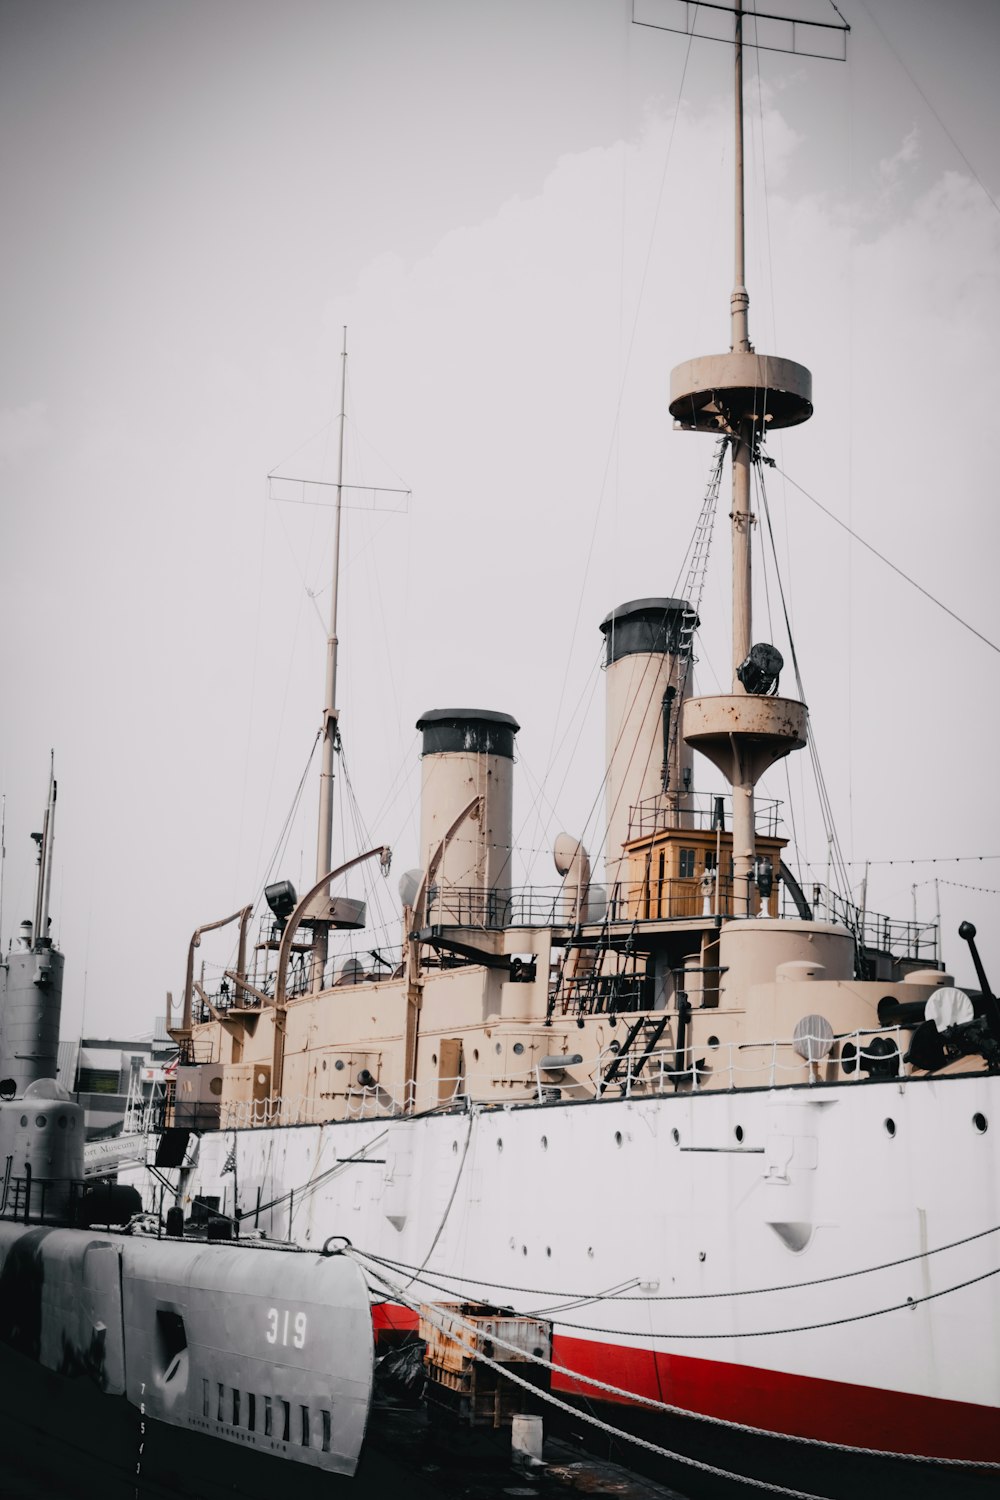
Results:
[101, 1074]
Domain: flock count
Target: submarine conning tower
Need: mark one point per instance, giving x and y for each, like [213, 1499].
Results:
[741, 396]
[31, 980]
[647, 659]
[466, 813]
[41, 1143]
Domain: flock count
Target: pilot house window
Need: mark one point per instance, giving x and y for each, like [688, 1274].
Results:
[687, 863]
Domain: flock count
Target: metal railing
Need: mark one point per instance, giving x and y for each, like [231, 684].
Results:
[855, 1056]
[593, 994]
[374, 964]
[849, 1053]
[872, 930]
[698, 811]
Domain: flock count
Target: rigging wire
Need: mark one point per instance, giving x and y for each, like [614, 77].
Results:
[625, 1296]
[450, 1327]
[307, 1189]
[930, 859]
[543, 824]
[254, 676]
[986, 192]
[958, 885]
[705, 519]
[451, 1322]
[364, 839]
[826, 806]
[764, 1333]
[285, 834]
[621, 389]
[890, 564]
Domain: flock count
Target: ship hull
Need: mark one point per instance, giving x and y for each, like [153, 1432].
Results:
[819, 1261]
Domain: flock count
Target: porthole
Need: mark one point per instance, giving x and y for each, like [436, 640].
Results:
[24, 1119]
[890, 1128]
[498, 1049]
[475, 1054]
[40, 1121]
[738, 1132]
[518, 1048]
[675, 1136]
[524, 1249]
[324, 1065]
[618, 1137]
[980, 1122]
[454, 1148]
[62, 1122]
[548, 1251]
[499, 1143]
[713, 1041]
[590, 1252]
[339, 1064]
[434, 1058]
[215, 1086]
[545, 1143]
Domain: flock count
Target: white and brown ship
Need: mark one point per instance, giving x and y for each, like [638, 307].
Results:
[731, 1141]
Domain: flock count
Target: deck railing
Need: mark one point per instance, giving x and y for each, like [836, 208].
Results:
[855, 1057]
[699, 811]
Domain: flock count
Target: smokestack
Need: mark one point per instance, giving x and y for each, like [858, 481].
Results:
[467, 753]
[648, 646]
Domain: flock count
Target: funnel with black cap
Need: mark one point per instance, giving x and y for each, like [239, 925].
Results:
[467, 768]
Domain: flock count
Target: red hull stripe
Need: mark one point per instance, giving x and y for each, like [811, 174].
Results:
[390, 1317]
[800, 1404]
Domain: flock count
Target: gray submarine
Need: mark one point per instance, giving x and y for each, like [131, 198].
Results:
[146, 1362]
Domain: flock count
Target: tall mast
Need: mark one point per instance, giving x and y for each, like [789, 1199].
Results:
[44, 840]
[324, 837]
[741, 394]
[744, 816]
[739, 304]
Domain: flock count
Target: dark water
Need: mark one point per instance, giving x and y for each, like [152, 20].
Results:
[404, 1457]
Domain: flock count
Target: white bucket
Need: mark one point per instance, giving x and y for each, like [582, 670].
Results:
[526, 1438]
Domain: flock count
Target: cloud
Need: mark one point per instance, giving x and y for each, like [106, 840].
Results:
[23, 428]
[891, 169]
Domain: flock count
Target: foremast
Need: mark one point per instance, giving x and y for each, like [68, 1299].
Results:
[324, 833]
[741, 395]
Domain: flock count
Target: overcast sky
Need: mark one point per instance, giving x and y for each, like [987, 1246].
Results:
[522, 211]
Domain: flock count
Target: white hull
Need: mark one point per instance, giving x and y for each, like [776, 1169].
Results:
[692, 1196]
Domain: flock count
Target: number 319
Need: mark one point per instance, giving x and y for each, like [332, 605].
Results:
[277, 1328]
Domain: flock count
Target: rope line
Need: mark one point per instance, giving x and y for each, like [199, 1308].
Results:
[794, 1286]
[451, 1319]
[766, 1333]
[619, 1433]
